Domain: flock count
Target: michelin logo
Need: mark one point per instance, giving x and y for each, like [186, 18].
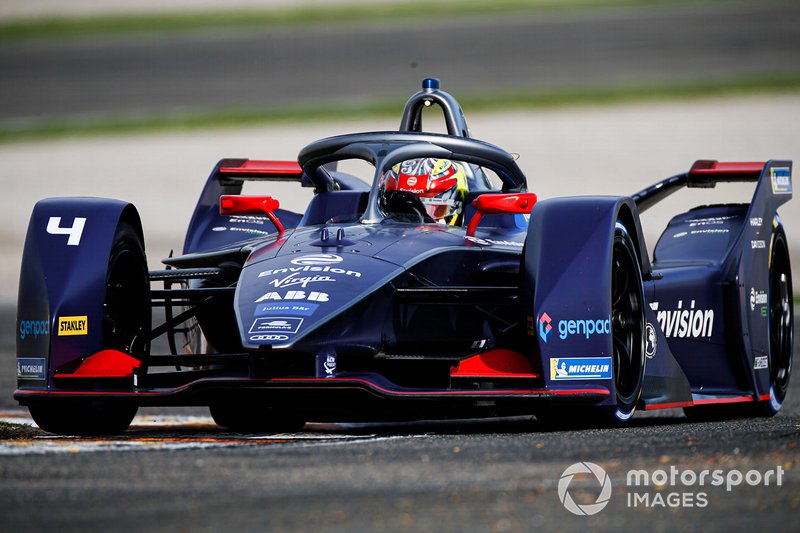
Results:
[30, 368]
[566, 368]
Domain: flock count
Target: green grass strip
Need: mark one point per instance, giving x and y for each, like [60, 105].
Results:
[431, 11]
[230, 118]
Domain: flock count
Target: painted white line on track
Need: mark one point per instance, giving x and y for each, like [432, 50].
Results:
[170, 433]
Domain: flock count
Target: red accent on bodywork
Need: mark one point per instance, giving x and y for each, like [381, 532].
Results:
[251, 205]
[720, 167]
[706, 401]
[669, 405]
[729, 399]
[495, 204]
[254, 166]
[105, 364]
[494, 364]
[22, 393]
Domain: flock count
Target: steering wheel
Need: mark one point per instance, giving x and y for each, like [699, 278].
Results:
[405, 206]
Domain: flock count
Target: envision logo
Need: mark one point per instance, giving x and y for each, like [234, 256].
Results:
[602, 479]
[685, 323]
[757, 298]
[317, 259]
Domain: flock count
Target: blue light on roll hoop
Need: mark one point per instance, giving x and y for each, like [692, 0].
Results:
[431, 84]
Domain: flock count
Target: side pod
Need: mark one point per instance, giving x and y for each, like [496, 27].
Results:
[63, 283]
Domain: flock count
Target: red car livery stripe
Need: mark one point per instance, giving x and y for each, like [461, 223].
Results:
[255, 166]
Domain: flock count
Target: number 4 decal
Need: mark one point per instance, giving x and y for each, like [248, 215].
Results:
[75, 231]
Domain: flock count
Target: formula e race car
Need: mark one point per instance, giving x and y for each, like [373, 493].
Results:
[437, 288]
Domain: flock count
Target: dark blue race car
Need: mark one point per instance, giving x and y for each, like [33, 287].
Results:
[437, 288]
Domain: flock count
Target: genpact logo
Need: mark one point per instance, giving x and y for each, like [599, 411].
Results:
[566, 328]
[544, 326]
[33, 327]
[583, 327]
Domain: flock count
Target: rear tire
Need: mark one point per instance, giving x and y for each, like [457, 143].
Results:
[126, 327]
[781, 328]
[781, 325]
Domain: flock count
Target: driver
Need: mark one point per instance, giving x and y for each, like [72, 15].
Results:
[440, 184]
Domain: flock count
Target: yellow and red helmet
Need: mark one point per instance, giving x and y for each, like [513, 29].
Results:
[440, 184]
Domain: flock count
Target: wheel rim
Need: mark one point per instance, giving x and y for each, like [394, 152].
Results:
[780, 319]
[627, 318]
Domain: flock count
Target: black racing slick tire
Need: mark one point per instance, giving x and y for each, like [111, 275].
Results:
[627, 325]
[628, 342]
[245, 419]
[127, 309]
[126, 327]
[83, 419]
[781, 325]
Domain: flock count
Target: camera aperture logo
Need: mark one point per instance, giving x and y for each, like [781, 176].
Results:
[661, 488]
[584, 509]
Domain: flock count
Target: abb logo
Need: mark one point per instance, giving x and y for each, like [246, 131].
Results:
[312, 296]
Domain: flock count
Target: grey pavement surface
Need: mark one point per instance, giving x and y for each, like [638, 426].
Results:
[355, 64]
[467, 477]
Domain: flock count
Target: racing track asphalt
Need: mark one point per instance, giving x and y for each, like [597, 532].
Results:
[197, 71]
[455, 476]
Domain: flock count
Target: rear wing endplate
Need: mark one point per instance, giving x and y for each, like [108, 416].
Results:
[707, 173]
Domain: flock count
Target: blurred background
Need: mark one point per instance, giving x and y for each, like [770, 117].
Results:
[138, 99]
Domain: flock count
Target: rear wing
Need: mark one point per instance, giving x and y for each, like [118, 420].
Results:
[229, 176]
[771, 175]
[255, 169]
[325, 179]
[209, 229]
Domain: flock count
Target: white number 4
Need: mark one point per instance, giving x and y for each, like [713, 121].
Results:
[75, 231]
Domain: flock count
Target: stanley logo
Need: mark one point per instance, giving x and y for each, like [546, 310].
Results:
[73, 325]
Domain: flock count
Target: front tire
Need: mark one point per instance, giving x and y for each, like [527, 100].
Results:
[628, 325]
[83, 419]
[243, 418]
[628, 345]
[126, 327]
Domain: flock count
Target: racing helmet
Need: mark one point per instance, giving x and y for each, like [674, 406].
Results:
[440, 184]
